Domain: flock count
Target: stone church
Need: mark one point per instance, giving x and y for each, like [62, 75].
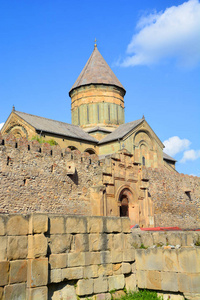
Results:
[97, 111]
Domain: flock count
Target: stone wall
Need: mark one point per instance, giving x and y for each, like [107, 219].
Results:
[41, 178]
[175, 197]
[60, 257]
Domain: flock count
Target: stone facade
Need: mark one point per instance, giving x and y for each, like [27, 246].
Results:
[51, 256]
[42, 178]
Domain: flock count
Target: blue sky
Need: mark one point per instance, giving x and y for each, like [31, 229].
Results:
[152, 46]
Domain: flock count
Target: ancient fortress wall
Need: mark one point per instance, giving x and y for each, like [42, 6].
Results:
[51, 256]
[176, 198]
[43, 178]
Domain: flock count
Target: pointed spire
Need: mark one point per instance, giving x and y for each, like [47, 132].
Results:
[95, 43]
[143, 117]
[96, 71]
[13, 108]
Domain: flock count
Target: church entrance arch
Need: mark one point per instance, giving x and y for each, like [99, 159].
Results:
[128, 203]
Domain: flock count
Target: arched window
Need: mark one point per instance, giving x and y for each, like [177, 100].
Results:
[143, 160]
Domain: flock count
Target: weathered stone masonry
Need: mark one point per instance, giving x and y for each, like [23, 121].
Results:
[42, 178]
[51, 256]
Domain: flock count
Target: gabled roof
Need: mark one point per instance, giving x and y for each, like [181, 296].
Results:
[121, 131]
[96, 71]
[97, 128]
[56, 127]
[167, 157]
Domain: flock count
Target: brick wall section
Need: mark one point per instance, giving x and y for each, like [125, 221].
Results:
[52, 180]
[52, 256]
[172, 205]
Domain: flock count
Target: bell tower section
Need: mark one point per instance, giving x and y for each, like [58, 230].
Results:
[97, 96]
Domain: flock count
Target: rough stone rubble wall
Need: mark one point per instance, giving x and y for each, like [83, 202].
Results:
[45, 178]
[54, 256]
[176, 198]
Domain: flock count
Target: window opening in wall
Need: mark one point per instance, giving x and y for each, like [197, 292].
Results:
[90, 161]
[124, 207]
[51, 152]
[8, 161]
[143, 160]
[78, 116]
[16, 145]
[2, 143]
[98, 112]
[88, 117]
[109, 113]
[61, 154]
[40, 150]
[28, 147]
[188, 195]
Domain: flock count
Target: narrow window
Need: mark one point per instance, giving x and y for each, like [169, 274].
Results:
[28, 147]
[16, 145]
[109, 113]
[78, 116]
[51, 152]
[88, 119]
[143, 160]
[98, 112]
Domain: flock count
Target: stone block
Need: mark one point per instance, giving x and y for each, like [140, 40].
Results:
[129, 255]
[57, 224]
[153, 259]
[184, 282]
[4, 269]
[37, 272]
[136, 239]
[92, 258]
[40, 293]
[56, 275]
[126, 225]
[2, 225]
[18, 271]
[195, 283]
[118, 241]
[117, 256]
[159, 238]
[147, 239]
[76, 224]
[73, 273]
[141, 279]
[60, 243]
[15, 291]
[38, 223]
[174, 238]
[3, 247]
[116, 282]
[187, 257]
[170, 260]
[169, 281]
[100, 285]
[113, 224]
[85, 287]
[102, 296]
[17, 247]
[130, 283]
[117, 269]
[105, 270]
[126, 268]
[99, 242]
[76, 259]
[105, 257]
[58, 261]
[81, 242]
[67, 292]
[153, 280]
[95, 224]
[17, 225]
[129, 242]
[91, 271]
[37, 245]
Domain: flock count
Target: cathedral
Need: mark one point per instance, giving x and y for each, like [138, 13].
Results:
[98, 127]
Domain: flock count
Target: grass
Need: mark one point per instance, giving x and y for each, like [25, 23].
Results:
[141, 295]
[51, 142]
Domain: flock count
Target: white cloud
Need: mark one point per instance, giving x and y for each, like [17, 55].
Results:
[1, 125]
[172, 34]
[175, 145]
[190, 155]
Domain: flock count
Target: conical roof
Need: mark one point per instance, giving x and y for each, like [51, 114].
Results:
[97, 71]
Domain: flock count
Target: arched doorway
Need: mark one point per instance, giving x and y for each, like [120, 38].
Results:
[124, 206]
